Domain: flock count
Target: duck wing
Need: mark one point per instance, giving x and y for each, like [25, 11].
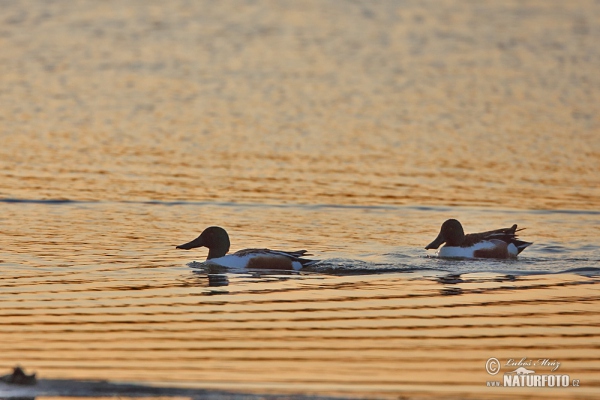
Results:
[507, 235]
[292, 255]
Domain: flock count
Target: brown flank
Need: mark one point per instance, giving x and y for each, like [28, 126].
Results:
[500, 250]
[270, 262]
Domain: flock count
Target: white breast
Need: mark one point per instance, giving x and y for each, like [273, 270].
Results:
[464, 252]
[231, 261]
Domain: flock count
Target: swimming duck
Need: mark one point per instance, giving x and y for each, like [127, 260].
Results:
[499, 243]
[216, 240]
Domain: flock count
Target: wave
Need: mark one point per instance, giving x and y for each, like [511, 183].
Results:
[443, 209]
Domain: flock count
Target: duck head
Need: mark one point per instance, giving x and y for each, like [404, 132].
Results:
[451, 233]
[214, 238]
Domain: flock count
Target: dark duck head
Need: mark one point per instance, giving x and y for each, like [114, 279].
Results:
[451, 233]
[214, 238]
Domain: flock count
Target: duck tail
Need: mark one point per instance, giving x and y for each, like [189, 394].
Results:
[521, 245]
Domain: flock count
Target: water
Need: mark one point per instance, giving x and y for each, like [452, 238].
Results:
[352, 130]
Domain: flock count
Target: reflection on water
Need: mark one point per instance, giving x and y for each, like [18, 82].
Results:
[350, 129]
[217, 280]
[380, 317]
[376, 334]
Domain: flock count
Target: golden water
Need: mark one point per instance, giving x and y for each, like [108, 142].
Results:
[351, 129]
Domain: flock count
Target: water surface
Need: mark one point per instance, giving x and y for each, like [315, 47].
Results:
[349, 129]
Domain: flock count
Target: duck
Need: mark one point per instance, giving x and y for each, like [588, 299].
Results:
[499, 243]
[217, 241]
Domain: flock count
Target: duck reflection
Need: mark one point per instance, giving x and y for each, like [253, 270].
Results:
[218, 280]
[450, 279]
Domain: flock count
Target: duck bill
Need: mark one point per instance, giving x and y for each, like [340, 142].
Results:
[436, 243]
[198, 242]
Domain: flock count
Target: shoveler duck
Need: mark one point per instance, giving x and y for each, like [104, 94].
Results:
[499, 243]
[216, 240]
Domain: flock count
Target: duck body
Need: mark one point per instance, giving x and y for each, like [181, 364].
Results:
[499, 243]
[216, 240]
[263, 258]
